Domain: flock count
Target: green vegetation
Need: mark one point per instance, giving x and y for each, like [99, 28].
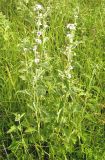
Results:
[52, 81]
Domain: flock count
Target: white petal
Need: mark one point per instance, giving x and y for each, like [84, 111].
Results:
[38, 41]
[71, 26]
[37, 60]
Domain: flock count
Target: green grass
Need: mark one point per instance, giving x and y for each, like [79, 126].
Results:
[44, 115]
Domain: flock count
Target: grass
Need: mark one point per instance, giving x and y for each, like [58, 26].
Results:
[48, 112]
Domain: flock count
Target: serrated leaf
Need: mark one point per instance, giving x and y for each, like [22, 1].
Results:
[12, 129]
[22, 70]
[23, 77]
[18, 116]
[30, 130]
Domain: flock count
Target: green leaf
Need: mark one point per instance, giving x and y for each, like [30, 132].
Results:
[18, 117]
[12, 129]
[23, 77]
[30, 130]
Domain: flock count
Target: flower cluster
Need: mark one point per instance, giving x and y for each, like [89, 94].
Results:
[40, 32]
[71, 26]
[69, 52]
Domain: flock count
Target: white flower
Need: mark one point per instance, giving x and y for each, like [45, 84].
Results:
[69, 76]
[35, 48]
[76, 16]
[39, 23]
[40, 15]
[71, 67]
[36, 60]
[70, 36]
[45, 39]
[38, 41]
[45, 26]
[39, 33]
[25, 49]
[71, 26]
[38, 7]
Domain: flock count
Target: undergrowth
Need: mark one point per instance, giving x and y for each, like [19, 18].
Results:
[52, 83]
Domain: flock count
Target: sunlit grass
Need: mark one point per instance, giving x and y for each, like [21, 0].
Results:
[52, 80]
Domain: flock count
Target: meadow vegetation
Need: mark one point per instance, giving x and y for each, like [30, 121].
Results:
[52, 80]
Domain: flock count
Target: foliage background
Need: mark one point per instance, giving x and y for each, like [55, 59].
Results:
[54, 119]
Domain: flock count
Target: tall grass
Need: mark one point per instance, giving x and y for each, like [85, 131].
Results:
[52, 82]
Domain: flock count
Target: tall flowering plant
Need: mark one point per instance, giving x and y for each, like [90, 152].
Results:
[70, 45]
[40, 32]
